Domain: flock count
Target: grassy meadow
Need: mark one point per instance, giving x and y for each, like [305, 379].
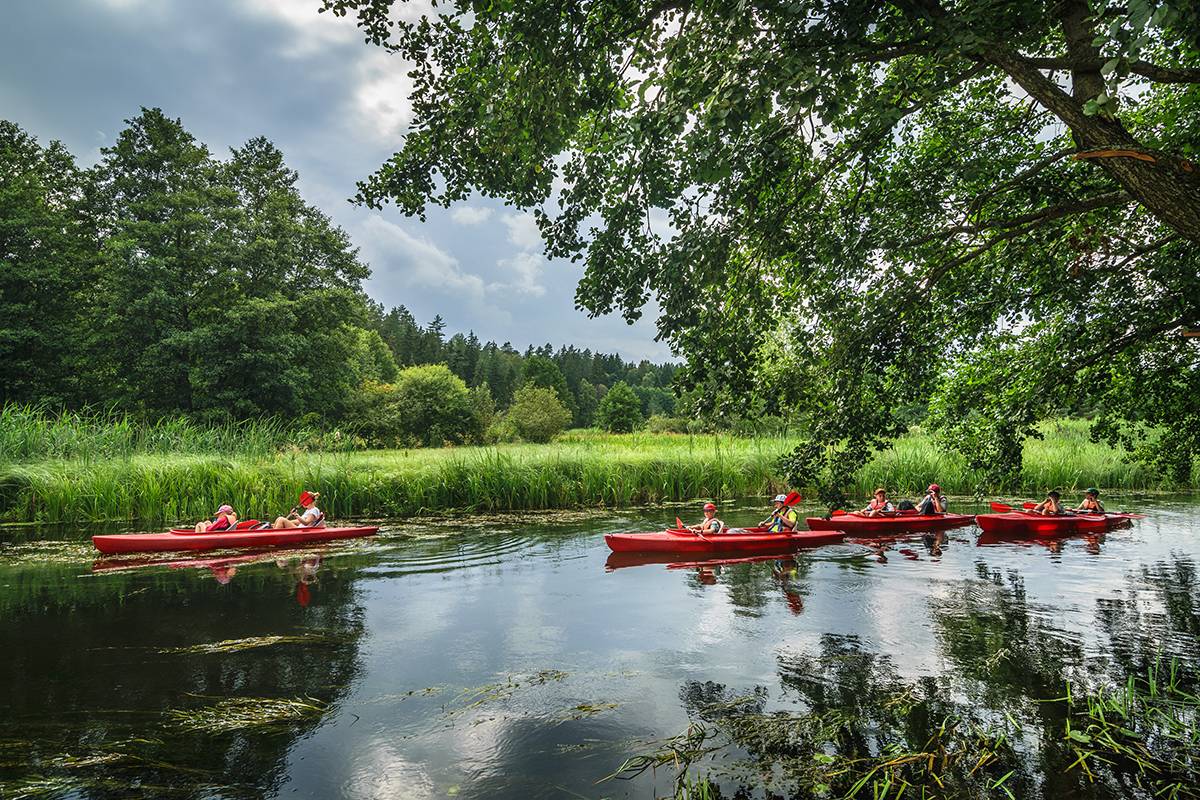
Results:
[77, 469]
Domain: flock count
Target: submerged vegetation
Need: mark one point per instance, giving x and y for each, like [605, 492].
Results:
[894, 740]
[75, 468]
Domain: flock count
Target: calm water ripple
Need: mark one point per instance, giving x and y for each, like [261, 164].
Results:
[511, 662]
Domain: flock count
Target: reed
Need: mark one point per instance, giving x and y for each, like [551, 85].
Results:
[72, 469]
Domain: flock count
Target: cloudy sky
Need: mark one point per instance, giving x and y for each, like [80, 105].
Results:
[74, 70]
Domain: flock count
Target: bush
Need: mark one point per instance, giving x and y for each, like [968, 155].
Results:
[620, 410]
[428, 405]
[536, 415]
[658, 423]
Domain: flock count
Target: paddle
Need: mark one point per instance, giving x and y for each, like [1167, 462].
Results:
[679, 524]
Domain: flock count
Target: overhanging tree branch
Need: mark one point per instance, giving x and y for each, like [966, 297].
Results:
[1152, 72]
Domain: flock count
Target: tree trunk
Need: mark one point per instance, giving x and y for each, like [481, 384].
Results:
[1167, 186]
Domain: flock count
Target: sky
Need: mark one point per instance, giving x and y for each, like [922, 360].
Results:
[74, 70]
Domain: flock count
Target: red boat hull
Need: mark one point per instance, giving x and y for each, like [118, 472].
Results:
[858, 525]
[1020, 523]
[167, 542]
[753, 540]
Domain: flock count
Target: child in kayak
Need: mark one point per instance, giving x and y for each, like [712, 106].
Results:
[934, 502]
[309, 518]
[1091, 501]
[879, 505]
[783, 517]
[710, 524]
[223, 520]
[1051, 506]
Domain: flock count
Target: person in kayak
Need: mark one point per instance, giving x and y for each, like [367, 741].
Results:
[783, 517]
[223, 520]
[1091, 501]
[879, 505]
[310, 517]
[710, 524]
[1052, 506]
[934, 502]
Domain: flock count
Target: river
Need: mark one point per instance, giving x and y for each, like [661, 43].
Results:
[506, 658]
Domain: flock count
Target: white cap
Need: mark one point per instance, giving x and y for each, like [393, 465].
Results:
[781, 498]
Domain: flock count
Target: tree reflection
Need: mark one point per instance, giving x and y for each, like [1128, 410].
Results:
[171, 679]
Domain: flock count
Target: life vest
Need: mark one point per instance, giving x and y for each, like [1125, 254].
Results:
[219, 523]
[778, 517]
[876, 505]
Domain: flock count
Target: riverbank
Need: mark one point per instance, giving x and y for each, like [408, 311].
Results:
[580, 469]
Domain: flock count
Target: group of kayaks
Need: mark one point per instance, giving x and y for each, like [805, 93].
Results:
[1004, 521]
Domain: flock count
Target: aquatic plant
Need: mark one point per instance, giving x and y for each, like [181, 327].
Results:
[1140, 740]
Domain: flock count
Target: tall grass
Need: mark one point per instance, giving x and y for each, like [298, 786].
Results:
[31, 432]
[75, 469]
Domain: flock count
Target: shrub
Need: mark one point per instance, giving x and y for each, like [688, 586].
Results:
[536, 414]
[658, 423]
[620, 410]
[428, 405]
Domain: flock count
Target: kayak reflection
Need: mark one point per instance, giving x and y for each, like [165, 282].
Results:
[1092, 541]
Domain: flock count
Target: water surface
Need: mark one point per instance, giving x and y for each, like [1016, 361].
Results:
[505, 659]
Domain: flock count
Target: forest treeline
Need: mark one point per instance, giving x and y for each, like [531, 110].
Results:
[168, 281]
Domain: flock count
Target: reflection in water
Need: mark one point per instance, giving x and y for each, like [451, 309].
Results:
[449, 662]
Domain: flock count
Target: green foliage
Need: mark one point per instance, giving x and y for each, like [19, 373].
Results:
[864, 200]
[47, 251]
[620, 410]
[433, 406]
[536, 414]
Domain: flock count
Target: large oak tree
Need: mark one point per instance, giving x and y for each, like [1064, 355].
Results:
[851, 207]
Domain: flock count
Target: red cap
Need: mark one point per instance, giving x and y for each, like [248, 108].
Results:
[710, 506]
[933, 487]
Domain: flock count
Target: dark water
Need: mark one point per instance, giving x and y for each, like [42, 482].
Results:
[502, 660]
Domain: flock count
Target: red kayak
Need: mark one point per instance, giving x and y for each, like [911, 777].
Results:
[188, 540]
[748, 540]
[1024, 523]
[855, 524]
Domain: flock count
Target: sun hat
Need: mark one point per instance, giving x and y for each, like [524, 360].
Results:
[880, 490]
[225, 509]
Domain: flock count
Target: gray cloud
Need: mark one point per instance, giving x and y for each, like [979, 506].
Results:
[233, 69]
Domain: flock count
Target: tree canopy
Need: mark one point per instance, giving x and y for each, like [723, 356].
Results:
[847, 208]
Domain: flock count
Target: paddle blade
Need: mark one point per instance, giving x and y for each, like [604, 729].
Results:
[1000, 508]
[679, 524]
[1028, 506]
[792, 499]
[837, 513]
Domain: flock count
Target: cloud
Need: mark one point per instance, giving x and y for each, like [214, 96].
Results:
[310, 31]
[470, 215]
[380, 99]
[523, 231]
[414, 261]
[526, 271]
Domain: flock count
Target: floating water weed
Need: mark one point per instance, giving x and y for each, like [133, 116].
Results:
[240, 713]
[252, 643]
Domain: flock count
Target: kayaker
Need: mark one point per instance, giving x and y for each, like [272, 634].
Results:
[309, 518]
[934, 502]
[223, 520]
[1051, 506]
[710, 524]
[1091, 501]
[879, 504]
[783, 517]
